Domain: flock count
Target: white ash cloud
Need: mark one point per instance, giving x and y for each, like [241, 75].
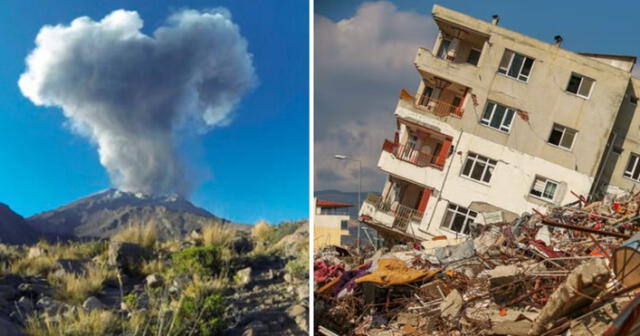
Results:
[134, 94]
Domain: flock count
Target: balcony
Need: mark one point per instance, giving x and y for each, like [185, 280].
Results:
[437, 106]
[463, 73]
[391, 214]
[411, 155]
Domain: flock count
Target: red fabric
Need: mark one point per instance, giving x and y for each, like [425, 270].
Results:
[323, 271]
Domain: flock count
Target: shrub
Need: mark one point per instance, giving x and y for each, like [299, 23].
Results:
[299, 267]
[41, 265]
[201, 309]
[261, 231]
[75, 288]
[202, 260]
[217, 234]
[145, 235]
[75, 323]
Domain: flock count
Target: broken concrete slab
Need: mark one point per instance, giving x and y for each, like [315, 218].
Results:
[582, 286]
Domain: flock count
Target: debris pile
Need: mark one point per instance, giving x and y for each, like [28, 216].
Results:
[572, 271]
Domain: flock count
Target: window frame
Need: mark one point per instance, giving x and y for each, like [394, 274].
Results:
[575, 135]
[582, 77]
[493, 111]
[508, 68]
[546, 181]
[455, 209]
[440, 48]
[488, 163]
[479, 55]
[636, 166]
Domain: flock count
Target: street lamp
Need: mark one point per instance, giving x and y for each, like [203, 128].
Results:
[344, 157]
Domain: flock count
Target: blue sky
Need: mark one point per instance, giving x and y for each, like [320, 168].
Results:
[258, 164]
[586, 26]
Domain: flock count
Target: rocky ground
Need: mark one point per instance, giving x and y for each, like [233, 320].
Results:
[244, 284]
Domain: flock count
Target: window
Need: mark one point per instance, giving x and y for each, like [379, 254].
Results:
[457, 219]
[474, 56]
[633, 168]
[498, 116]
[544, 188]
[515, 65]
[478, 167]
[444, 49]
[562, 136]
[580, 85]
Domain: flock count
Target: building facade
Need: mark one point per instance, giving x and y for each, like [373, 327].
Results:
[501, 124]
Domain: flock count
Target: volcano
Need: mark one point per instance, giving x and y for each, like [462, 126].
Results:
[103, 214]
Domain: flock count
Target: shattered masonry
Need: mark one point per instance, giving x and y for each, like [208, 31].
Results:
[527, 277]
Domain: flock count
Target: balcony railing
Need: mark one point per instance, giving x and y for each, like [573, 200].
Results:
[432, 105]
[403, 215]
[411, 155]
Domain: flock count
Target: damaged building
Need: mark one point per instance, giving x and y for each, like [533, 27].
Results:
[502, 124]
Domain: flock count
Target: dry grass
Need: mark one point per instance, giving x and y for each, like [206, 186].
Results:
[75, 288]
[261, 231]
[142, 234]
[217, 234]
[78, 322]
[41, 265]
[153, 266]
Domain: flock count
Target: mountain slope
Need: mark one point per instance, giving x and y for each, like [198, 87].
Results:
[14, 229]
[103, 214]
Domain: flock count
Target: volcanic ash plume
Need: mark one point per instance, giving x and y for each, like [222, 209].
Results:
[134, 94]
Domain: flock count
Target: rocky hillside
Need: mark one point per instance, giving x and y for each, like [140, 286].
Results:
[14, 229]
[216, 281]
[103, 214]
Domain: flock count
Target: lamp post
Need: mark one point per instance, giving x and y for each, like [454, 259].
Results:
[344, 157]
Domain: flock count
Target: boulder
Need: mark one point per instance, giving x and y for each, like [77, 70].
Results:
[244, 276]
[241, 244]
[92, 303]
[128, 257]
[35, 251]
[74, 266]
[154, 280]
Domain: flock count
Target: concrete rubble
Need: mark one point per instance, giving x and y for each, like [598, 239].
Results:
[569, 271]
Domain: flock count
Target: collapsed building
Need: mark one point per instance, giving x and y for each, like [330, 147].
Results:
[573, 270]
[502, 123]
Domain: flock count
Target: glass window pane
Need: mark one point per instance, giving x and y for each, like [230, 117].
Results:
[549, 190]
[487, 112]
[488, 174]
[567, 139]
[447, 219]
[444, 48]
[630, 164]
[474, 56]
[476, 173]
[574, 84]
[556, 135]
[585, 87]
[526, 69]
[508, 118]
[504, 63]
[514, 71]
[496, 120]
[467, 167]
[636, 173]
[458, 222]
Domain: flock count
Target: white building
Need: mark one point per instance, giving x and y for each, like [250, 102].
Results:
[502, 124]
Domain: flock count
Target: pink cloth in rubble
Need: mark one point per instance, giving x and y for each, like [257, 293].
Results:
[322, 271]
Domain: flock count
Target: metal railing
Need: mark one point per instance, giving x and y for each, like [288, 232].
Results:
[411, 155]
[432, 105]
[402, 214]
